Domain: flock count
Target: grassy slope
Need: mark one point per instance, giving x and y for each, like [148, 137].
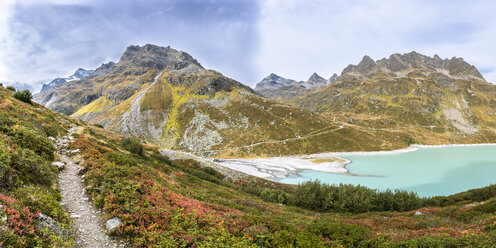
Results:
[168, 203]
[27, 178]
[407, 108]
[178, 203]
[255, 126]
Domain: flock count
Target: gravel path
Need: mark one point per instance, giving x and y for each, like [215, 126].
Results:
[87, 221]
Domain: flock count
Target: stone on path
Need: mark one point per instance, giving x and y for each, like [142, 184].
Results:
[112, 225]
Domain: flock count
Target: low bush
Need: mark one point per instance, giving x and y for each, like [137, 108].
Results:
[33, 169]
[43, 199]
[132, 145]
[341, 234]
[11, 88]
[120, 159]
[274, 195]
[31, 139]
[23, 95]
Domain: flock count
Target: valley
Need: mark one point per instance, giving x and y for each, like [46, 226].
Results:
[179, 155]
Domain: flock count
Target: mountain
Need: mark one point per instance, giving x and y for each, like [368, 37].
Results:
[79, 74]
[279, 88]
[165, 97]
[423, 99]
[315, 81]
[333, 78]
[49, 160]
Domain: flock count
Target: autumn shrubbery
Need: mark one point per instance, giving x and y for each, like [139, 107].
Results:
[27, 177]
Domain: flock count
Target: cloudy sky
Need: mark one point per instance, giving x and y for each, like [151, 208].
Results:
[243, 39]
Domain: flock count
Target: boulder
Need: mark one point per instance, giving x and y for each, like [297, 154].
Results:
[60, 165]
[112, 225]
[45, 221]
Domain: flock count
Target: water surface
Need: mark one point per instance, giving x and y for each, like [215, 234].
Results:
[428, 171]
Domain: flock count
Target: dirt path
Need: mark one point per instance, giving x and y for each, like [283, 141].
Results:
[313, 134]
[87, 222]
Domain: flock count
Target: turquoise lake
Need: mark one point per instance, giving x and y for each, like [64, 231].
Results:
[431, 171]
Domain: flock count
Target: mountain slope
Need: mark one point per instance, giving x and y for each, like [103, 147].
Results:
[431, 100]
[166, 97]
[183, 203]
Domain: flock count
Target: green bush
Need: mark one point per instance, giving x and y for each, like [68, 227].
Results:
[213, 172]
[274, 195]
[11, 88]
[43, 199]
[30, 139]
[339, 198]
[24, 95]
[132, 145]
[8, 176]
[33, 168]
[340, 233]
[120, 159]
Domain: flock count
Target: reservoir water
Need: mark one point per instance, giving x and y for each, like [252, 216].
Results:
[429, 171]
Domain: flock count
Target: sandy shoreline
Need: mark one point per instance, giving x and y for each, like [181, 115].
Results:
[282, 167]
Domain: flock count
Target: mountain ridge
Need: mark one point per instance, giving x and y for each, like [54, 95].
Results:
[165, 97]
[275, 86]
[428, 99]
[78, 74]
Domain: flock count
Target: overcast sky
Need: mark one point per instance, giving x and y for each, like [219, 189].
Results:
[243, 39]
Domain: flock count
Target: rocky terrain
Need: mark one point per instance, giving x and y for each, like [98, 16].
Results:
[79, 74]
[148, 196]
[426, 99]
[279, 88]
[166, 97]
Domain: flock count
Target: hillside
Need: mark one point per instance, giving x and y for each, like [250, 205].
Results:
[179, 203]
[427, 100]
[167, 98]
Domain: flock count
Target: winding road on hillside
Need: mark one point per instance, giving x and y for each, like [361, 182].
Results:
[312, 134]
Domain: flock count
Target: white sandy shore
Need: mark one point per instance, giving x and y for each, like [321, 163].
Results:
[282, 167]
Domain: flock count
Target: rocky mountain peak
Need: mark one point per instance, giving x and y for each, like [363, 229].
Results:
[82, 73]
[366, 64]
[455, 67]
[157, 57]
[79, 74]
[105, 68]
[333, 78]
[273, 81]
[273, 76]
[315, 81]
[315, 77]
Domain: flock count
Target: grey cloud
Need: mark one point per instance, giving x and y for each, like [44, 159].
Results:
[48, 40]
